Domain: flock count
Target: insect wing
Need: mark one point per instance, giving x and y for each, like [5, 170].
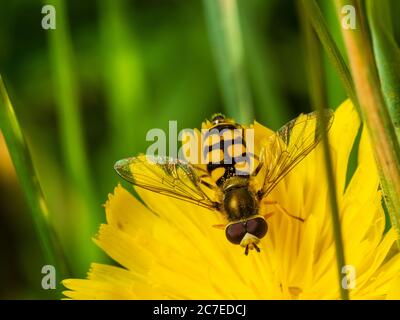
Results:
[167, 176]
[289, 145]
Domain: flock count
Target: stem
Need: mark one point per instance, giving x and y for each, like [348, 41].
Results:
[122, 74]
[67, 100]
[320, 100]
[30, 185]
[387, 56]
[374, 111]
[318, 22]
[264, 75]
[226, 40]
[335, 89]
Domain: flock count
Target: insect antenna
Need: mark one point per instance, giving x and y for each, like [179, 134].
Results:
[257, 248]
[246, 251]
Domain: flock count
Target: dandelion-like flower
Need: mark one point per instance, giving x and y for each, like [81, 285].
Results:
[167, 248]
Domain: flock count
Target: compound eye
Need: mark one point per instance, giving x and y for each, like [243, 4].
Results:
[257, 227]
[235, 232]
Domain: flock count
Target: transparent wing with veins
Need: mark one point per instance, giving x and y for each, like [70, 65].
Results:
[170, 177]
[288, 146]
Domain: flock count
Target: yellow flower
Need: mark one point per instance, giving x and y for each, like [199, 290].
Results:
[168, 249]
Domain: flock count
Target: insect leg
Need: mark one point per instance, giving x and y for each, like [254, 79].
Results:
[199, 168]
[258, 168]
[219, 226]
[208, 185]
[284, 211]
[268, 215]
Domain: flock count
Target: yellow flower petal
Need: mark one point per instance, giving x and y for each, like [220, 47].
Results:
[168, 249]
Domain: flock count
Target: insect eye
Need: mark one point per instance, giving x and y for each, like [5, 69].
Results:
[235, 232]
[257, 227]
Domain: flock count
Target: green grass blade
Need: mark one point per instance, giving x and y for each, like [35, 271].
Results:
[88, 209]
[122, 73]
[316, 73]
[335, 90]
[387, 56]
[374, 110]
[270, 105]
[226, 40]
[318, 22]
[319, 99]
[24, 168]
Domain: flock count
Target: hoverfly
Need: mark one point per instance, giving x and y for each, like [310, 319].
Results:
[218, 187]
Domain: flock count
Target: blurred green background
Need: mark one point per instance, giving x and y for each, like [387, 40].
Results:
[87, 93]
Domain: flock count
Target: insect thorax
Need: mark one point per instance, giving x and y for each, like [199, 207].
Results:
[239, 201]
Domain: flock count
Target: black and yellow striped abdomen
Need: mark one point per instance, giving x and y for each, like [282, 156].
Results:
[224, 148]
